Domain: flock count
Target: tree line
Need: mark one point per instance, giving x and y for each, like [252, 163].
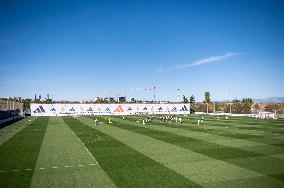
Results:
[236, 106]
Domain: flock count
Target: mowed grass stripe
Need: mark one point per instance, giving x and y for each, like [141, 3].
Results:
[64, 162]
[194, 166]
[270, 145]
[249, 122]
[213, 131]
[263, 131]
[259, 163]
[125, 166]
[222, 124]
[235, 123]
[7, 132]
[210, 149]
[21, 152]
[259, 182]
[250, 146]
[236, 139]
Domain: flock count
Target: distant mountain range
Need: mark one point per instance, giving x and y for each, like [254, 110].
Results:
[270, 99]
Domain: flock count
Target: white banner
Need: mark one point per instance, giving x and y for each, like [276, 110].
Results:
[107, 109]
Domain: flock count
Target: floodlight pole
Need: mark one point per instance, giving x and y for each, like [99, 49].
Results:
[230, 109]
[207, 108]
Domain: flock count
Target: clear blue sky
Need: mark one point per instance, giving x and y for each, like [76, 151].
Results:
[84, 49]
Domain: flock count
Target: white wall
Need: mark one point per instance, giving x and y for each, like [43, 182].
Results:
[107, 109]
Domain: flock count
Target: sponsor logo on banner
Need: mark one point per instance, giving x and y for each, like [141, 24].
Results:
[107, 109]
[72, 110]
[90, 109]
[119, 109]
[40, 109]
[184, 108]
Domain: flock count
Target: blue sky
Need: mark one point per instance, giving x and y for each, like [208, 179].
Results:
[83, 49]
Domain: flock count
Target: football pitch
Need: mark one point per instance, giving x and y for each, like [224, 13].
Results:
[78, 152]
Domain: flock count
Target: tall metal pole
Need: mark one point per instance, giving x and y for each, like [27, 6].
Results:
[214, 108]
[154, 91]
[207, 108]
[178, 96]
[229, 91]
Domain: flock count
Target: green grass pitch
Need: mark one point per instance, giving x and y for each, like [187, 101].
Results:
[77, 152]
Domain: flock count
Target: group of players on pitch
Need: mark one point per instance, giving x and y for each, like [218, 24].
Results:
[148, 119]
[162, 119]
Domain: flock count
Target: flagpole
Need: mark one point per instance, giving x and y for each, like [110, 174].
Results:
[154, 93]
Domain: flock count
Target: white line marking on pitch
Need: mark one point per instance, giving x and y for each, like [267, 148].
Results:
[6, 140]
[54, 167]
[85, 147]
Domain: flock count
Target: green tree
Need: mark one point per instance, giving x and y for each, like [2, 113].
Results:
[111, 100]
[26, 103]
[242, 107]
[185, 100]
[256, 107]
[192, 99]
[207, 97]
[246, 105]
[48, 101]
[132, 100]
[236, 106]
[273, 107]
